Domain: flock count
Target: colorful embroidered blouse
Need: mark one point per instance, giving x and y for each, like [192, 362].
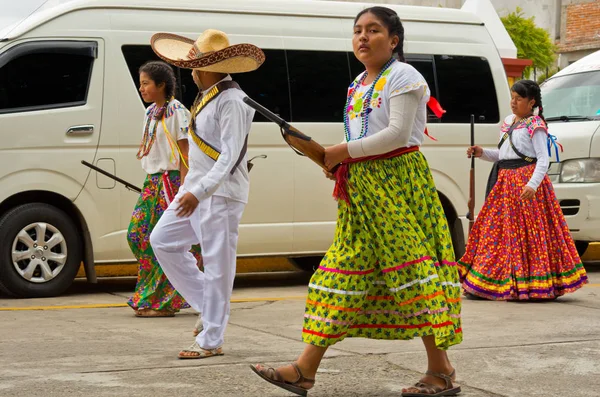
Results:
[163, 156]
[530, 138]
[398, 79]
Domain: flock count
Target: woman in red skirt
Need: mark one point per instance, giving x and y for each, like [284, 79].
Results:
[520, 247]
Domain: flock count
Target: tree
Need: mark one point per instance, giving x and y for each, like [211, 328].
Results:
[532, 42]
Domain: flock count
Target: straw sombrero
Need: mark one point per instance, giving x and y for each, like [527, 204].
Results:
[211, 52]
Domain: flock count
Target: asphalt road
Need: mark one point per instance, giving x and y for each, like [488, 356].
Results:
[88, 343]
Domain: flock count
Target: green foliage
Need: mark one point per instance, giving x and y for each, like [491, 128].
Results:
[532, 42]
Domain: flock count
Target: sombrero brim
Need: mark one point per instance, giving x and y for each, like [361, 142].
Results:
[238, 58]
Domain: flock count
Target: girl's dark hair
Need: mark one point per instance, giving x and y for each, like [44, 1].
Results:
[531, 90]
[161, 72]
[390, 19]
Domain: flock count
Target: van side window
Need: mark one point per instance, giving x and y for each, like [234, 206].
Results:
[466, 87]
[425, 65]
[318, 83]
[45, 75]
[268, 85]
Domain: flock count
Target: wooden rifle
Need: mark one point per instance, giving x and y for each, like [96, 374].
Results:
[128, 185]
[471, 205]
[471, 211]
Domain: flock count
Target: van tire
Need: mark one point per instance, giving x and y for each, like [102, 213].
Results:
[581, 246]
[306, 263]
[56, 225]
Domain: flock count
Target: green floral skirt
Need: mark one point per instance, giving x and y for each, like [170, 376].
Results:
[391, 271]
[153, 290]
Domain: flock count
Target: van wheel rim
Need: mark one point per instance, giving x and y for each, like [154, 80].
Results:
[39, 252]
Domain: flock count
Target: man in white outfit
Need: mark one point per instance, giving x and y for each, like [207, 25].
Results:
[211, 200]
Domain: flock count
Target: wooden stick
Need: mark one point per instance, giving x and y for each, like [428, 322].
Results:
[471, 205]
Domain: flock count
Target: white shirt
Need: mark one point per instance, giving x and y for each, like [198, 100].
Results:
[224, 124]
[530, 138]
[398, 79]
[163, 156]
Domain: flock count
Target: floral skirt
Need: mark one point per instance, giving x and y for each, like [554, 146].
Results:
[521, 249]
[153, 290]
[391, 272]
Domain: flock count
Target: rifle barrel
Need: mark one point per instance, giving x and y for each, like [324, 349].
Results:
[266, 112]
[111, 176]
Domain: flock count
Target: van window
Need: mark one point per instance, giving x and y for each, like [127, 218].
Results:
[445, 87]
[466, 87]
[268, 85]
[44, 75]
[311, 86]
[318, 83]
[572, 95]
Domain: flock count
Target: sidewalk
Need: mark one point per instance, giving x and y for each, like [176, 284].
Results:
[510, 349]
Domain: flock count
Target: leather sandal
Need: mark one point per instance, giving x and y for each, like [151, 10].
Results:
[273, 376]
[199, 352]
[430, 390]
[154, 313]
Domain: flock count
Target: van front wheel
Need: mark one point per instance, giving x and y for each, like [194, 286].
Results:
[40, 251]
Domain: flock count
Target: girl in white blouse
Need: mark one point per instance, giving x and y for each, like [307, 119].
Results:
[520, 247]
[163, 153]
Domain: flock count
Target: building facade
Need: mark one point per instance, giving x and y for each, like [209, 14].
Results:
[579, 33]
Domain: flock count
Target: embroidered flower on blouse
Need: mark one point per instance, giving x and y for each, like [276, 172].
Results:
[380, 84]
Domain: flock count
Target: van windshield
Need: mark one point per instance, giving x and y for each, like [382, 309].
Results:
[14, 12]
[573, 97]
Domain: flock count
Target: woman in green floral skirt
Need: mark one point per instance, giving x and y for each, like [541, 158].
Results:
[163, 153]
[391, 272]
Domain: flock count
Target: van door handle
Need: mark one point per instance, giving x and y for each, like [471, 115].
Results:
[78, 130]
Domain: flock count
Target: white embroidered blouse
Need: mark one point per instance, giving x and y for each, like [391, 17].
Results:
[398, 107]
[163, 155]
[529, 137]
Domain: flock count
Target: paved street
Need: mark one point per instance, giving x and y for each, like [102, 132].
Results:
[87, 343]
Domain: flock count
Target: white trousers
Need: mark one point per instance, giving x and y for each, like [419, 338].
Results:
[214, 224]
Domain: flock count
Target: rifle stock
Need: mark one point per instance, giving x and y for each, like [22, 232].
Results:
[300, 142]
[111, 176]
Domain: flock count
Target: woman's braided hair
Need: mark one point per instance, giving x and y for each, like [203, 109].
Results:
[161, 72]
[391, 21]
[531, 90]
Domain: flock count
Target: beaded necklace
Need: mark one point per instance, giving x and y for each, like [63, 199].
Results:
[150, 136]
[364, 114]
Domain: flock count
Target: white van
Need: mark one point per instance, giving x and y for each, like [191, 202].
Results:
[68, 92]
[571, 101]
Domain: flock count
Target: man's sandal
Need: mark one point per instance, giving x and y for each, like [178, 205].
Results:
[430, 390]
[199, 352]
[273, 376]
[199, 326]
